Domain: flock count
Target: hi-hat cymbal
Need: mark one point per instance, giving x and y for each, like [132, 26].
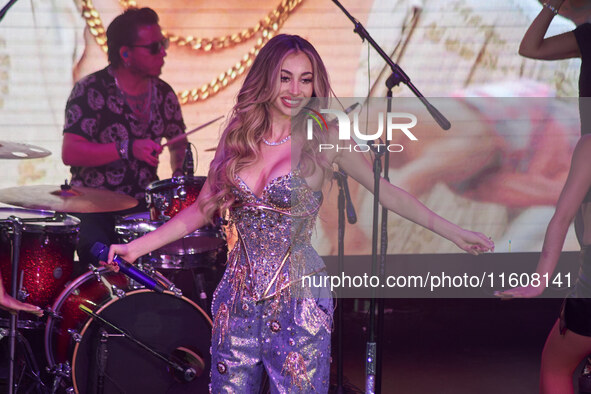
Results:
[17, 150]
[75, 199]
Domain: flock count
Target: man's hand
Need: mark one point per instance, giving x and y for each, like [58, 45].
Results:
[146, 150]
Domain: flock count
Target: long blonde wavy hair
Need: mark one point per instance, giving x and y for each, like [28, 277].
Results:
[250, 119]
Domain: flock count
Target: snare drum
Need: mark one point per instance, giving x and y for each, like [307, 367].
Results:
[46, 253]
[202, 248]
[167, 197]
[173, 326]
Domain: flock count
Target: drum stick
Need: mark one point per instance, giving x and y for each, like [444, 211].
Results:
[182, 136]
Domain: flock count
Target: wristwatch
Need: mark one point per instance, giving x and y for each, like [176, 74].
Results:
[123, 149]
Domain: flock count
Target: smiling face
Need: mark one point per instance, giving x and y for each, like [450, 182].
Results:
[296, 85]
[141, 60]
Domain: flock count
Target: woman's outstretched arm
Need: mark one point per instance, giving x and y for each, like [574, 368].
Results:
[406, 205]
[535, 45]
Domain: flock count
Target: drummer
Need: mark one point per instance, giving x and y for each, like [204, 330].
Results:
[115, 120]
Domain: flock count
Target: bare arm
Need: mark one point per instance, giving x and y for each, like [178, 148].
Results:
[184, 223]
[13, 305]
[571, 197]
[78, 151]
[407, 206]
[535, 46]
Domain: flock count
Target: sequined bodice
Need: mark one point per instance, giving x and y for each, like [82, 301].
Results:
[274, 232]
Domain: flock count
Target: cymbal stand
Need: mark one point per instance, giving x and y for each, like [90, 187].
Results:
[17, 231]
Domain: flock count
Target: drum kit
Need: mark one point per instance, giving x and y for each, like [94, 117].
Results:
[104, 332]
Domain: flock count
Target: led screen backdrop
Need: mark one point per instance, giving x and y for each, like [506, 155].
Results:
[457, 48]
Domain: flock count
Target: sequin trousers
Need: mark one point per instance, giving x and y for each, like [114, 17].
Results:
[265, 320]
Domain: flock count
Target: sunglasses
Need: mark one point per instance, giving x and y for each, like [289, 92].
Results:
[156, 46]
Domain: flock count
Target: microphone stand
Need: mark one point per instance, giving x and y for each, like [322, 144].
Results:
[360, 30]
[186, 374]
[5, 9]
[102, 356]
[16, 246]
[398, 75]
[344, 204]
[390, 83]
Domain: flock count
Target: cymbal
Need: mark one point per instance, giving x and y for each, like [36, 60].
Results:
[17, 150]
[74, 199]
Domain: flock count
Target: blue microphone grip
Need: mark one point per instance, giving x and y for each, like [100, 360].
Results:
[101, 252]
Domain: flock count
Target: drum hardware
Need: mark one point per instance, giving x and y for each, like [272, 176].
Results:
[103, 353]
[95, 271]
[60, 372]
[16, 243]
[118, 292]
[200, 287]
[48, 312]
[31, 362]
[189, 163]
[181, 193]
[22, 294]
[176, 291]
[76, 337]
[188, 373]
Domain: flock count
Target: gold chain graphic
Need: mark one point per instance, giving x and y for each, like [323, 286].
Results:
[266, 28]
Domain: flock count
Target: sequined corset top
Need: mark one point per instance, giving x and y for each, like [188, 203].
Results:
[274, 232]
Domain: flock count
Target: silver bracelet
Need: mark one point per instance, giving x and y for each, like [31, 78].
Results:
[550, 7]
[123, 149]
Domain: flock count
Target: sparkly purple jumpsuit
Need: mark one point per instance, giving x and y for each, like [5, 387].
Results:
[265, 320]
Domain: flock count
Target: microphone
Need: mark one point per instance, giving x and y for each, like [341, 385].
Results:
[188, 164]
[101, 252]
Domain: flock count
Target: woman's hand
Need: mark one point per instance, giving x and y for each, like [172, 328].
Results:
[521, 292]
[12, 305]
[474, 242]
[121, 250]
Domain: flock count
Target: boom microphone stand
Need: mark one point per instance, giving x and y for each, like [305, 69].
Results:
[398, 75]
[344, 205]
[390, 83]
[5, 9]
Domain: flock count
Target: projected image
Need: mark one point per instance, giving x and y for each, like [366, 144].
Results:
[461, 49]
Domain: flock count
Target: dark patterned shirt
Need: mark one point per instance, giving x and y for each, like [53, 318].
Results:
[97, 111]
